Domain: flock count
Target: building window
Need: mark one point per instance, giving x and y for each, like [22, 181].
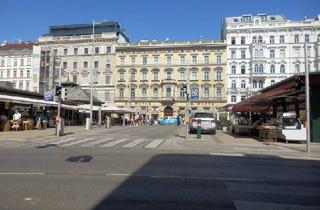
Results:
[256, 68]
[272, 69]
[21, 73]
[206, 75]
[133, 61]
[144, 92]
[206, 59]
[243, 40]
[121, 92]
[144, 60]
[296, 38]
[233, 84]
[65, 51]
[182, 75]
[206, 92]
[108, 50]
[254, 84]
[64, 65]
[233, 40]
[181, 93]
[155, 75]
[21, 62]
[15, 62]
[261, 53]
[272, 54]
[261, 68]
[75, 65]
[260, 40]
[144, 75]
[121, 76]
[243, 84]
[219, 92]
[133, 76]
[318, 39]
[233, 99]
[20, 85]
[218, 75]
[108, 65]
[2, 63]
[260, 84]
[74, 79]
[75, 51]
[271, 39]
[256, 53]
[233, 69]
[156, 59]
[296, 52]
[28, 61]
[96, 64]
[194, 59]
[194, 75]
[282, 53]
[281, 39]
[272, 82]
[168, 92]
[233, 54]
[243, 69]
[108, 79]
[8, 74]
[122, 61]
[1, 74]
[297, 68]
[282, 69]
[133, 92]
[243, 54]
[254, 39]
[27, 85]
[9, 62]
[218, 58]
[86, 51]
[306, 38]
[155, 93]
[85, 64]
[243, 98]
[182, 59]
[168, 74]
[169, 60]
[96, 50]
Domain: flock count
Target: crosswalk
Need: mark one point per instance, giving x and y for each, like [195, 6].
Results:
[106, 142]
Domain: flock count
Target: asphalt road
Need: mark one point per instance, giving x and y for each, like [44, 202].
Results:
[124, 178]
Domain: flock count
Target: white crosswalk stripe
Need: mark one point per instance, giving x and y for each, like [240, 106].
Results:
[77, 142]
[60, 141]
[134, 143]
[113, 143]
[90, 144]
[154, 144]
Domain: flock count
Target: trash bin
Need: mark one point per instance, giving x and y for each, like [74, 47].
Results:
[87, 123]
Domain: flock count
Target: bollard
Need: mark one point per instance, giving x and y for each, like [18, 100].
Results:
[199, 129]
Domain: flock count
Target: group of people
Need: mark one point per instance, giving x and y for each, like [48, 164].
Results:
[140, 120]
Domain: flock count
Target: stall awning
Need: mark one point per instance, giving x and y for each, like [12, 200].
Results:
[24, 100]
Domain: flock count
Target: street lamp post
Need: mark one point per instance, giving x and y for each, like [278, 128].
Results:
[307, 95]
[186, 114]
[91, 75]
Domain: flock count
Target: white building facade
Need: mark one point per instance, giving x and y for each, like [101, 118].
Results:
[265, 49]
[73, 48]
[15, 65]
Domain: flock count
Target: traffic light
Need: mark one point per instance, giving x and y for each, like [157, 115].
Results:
[58, 91]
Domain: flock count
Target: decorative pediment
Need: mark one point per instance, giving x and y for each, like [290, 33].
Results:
[143, 69]
[121, 86]
[168, 69]
[132, 86]
[155, 69]
[205, 69]
[180, 85]
[218, 69]
[182, 69]
[143, 86]
[155, 86]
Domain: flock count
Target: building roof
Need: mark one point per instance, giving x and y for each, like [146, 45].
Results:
[21, 93]
[17, 46]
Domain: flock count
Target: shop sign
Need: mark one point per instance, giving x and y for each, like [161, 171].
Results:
[195, 93]
[48, 95]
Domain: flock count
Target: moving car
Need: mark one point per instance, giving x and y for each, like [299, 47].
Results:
[208, 124]
[168, 120]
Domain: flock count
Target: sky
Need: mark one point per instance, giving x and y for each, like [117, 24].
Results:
[141, 19]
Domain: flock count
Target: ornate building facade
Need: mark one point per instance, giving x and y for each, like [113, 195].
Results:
[264, 49]
[150, 76]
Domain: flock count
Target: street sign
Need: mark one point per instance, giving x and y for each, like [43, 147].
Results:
[194, 93]
[48, 95]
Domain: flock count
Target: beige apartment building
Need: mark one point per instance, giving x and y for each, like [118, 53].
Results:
[150, 76]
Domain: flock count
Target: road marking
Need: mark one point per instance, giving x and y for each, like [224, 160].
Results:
[227, 154]
[96, 142]
[134, 143]
[61, 141]
[155, 143]
[113, 143]
[78, 142]
[17, 173]
[27, 199]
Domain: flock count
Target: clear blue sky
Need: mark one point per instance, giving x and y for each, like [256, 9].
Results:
[142, 19]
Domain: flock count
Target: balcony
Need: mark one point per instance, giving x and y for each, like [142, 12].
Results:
[168, 81]
[170, 99]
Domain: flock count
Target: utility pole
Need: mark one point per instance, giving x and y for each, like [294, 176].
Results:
[91, 76]
[307, 95]
[59, 103]
[186, 115]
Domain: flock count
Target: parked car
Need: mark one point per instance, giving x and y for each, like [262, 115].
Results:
[208, 124]
[168, 120]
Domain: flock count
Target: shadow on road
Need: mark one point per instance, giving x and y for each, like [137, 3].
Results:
[183, 181]
[80, 159]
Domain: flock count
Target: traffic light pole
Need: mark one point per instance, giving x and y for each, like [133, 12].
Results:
[186, 114]
[59, 104]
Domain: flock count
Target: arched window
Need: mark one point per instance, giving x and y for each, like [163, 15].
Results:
[144, 92]
[181, 93]
[272, 82]
[282, 69]
[133, 93]
[243, 84]
[261, 53]
[206, 92]
[297, 68]
[168, 92]
[233, 69]
[254, 84]
[243, 69]
[260, 39]
[219, 92]
[272, 69]
[155, 93]
[256, 53]
[218, 75]
[256, 68]
[318, 38]
[261, 68]
[121, 93]
[233, 84]
[28, 73]
[182, 75]
[260, 84]
[254, 39]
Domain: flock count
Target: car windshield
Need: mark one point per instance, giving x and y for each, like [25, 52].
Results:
[203, 115]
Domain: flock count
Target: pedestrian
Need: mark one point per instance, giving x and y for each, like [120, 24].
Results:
[16, 119]
[178, 120]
